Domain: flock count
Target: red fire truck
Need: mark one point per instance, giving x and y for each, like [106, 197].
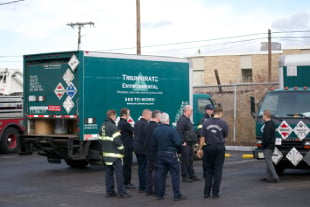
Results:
[11, 112]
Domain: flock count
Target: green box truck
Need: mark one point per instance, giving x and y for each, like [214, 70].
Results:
[67, 94]
[290, 108]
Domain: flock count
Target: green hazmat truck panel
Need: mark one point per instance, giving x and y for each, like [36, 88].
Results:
[290, 109]
[68, 93]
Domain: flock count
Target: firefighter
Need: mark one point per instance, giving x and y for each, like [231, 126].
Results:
[113, 153]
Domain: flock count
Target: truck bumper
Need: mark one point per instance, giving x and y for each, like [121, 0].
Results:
[258, 154]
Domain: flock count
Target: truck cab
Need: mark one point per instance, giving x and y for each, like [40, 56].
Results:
[290, 109]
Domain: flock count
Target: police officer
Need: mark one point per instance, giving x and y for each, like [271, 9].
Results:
[167, 142]
[139, 146]
[113, 152]
[126, 131]
[209, 113]
[151, 154]
[213, 132]
[186, 131]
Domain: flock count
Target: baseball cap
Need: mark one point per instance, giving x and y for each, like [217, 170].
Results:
[209, 107]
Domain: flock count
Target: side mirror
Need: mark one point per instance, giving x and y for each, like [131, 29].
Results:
[252, 105]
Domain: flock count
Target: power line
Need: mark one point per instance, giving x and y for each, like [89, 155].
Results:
[208, 40]
[10, 2]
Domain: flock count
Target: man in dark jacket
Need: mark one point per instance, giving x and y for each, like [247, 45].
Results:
[113, 152]
[139, 146]
[126, 131]
[268, 142]
[151, 165]
[167, 142]
[186, 131]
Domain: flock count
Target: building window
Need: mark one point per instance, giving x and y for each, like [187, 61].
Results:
[246, 75]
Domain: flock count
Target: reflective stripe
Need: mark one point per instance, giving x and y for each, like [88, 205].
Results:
[120, 147]
[116, 134]
[107, 138]
[199, 126]
[114, 155]
[108, 163]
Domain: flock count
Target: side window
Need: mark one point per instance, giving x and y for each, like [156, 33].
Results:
[201, 105]
[270, 103]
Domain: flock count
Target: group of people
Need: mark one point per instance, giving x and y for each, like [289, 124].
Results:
[159, 147]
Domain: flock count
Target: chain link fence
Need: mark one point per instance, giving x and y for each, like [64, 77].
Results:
[235, 100]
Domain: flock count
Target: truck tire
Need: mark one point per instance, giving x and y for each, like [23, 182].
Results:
[10, 141]
[77, 163]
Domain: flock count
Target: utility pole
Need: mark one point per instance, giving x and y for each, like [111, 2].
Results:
[269, 55]
[138, 28]
[80, 25]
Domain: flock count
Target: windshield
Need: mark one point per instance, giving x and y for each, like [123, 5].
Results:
[284, 104]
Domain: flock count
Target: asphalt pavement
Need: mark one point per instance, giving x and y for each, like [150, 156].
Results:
[29, 181]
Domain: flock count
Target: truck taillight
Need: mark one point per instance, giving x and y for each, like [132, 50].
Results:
[305, 87]
[259, 143]
[307, 145]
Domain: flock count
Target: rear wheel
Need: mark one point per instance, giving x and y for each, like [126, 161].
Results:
[77, 163]
[10, 141]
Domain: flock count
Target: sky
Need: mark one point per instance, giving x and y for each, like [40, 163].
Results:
[178, 28]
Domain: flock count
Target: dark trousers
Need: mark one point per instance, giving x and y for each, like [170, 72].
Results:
[187, 161]
[109, 177]
[204, 161]
[168, 161]
[127, 163]
[271, 173]
[151, 168]
[141, 159]
[215, 156]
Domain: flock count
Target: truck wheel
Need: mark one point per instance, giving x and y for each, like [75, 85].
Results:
[77, 163]
[10, 141]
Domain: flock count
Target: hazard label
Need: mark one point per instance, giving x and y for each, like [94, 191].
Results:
[68, 76]
[294, 156]
[301, 130]
[68, 104]
[284, 129]
[73, 62]
[276, 156]
[59, 91]
[71, 90]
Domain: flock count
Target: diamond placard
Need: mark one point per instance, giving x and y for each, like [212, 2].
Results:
[284, 129]
[73, 62]
[301, 130]
[68, 104]
[68, 76]
[276, 156]
[294, 156]
[59, 91]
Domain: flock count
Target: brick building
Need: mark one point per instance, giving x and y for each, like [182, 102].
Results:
[239, 68]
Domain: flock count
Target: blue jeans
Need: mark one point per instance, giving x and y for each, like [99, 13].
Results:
[142, 170]
[109, 178]
[168, 161]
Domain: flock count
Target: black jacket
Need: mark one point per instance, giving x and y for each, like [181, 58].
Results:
[150, 150]
[214, 130]
[139, 136]
[126, 133]
[112, 146]
[184, 125]
[269, 135]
